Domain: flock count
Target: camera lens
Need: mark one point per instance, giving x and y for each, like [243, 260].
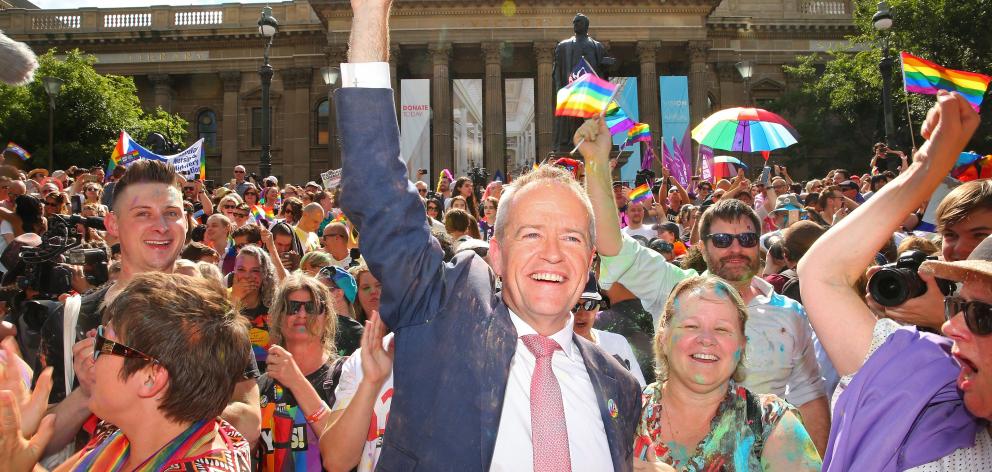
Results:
[893, 286]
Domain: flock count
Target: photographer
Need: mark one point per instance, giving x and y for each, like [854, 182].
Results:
[886, 159]
[147, 215]
[887, 368]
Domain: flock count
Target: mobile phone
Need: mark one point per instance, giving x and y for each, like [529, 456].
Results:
[765, 171]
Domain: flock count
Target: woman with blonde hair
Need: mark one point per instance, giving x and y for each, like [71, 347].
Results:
[303, 360]
[697, 415]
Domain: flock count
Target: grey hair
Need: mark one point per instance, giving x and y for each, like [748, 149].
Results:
[544, 174]
[717, 289]
[268, 286]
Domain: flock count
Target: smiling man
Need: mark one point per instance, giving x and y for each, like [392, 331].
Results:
[484, 380]
[147, 217]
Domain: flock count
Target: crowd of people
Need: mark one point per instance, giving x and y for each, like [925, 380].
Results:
[548, 323]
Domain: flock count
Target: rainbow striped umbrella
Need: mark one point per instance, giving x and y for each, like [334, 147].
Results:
[745, 130]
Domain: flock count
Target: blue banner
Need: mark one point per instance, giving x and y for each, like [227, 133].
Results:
[675, 115]
[627, 99]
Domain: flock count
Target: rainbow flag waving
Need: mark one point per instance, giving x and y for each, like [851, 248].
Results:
[617, 120]
[640, 193]
[12, 147]
[259, 212]
[922, 76]
[640, 132]
[587, 97]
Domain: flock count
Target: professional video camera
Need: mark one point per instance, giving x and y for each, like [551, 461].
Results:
[899, 281]
[480, 178]
[42, 271]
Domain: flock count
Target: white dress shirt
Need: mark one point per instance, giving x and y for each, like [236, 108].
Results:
[587, 443]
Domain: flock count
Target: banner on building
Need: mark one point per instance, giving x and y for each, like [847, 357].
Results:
[675, 115]
[627, 99]
[415, 125]
[189, 163]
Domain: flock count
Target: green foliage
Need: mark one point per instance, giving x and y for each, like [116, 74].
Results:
[837, 106]
[90, 111]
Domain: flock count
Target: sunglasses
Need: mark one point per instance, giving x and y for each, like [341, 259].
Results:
[239, 172]
[724, 240]
[977, 315]
[185, 189]
[241, 215]
[103, 345]
[587, 305]
[229, 207]
[422, 191]
[310, 306]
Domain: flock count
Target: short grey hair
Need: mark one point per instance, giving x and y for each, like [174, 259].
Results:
[543, 174]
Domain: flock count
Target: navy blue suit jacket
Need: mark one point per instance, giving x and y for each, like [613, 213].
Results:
[453, 336]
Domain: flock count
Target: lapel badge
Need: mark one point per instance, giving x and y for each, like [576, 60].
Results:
[612, 406]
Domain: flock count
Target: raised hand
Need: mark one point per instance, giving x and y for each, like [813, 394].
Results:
[82, 362]
[948, 128]
[596, 141]
[17, 453]
[281, 366]
[377, 362]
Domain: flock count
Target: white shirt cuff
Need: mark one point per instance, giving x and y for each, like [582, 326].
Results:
[365, 75]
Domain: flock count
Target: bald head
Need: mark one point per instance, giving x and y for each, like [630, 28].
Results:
[313, 214]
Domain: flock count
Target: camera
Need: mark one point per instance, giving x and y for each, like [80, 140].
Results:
[42, 271]
[480, 178]
[897, 282]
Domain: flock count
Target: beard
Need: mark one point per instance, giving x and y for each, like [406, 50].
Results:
[730, 269]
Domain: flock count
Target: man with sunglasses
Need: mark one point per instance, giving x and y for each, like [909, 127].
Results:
[239, 184]
[334, 241]
[780, 350]
[907, 399]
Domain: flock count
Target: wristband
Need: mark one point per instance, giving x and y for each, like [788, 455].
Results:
[319, 414]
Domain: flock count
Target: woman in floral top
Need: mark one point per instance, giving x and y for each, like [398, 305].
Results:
[696, 418]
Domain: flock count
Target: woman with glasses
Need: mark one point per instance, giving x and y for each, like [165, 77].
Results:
[302, 373]
[252, 195]
[241, 214]
[697, 415]
[907, 399]
[228, 204]
[56, 203]
[292, 210]
[252, 290]
[93, 193]
[159, 398]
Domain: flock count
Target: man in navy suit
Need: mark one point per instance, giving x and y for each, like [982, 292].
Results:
[483, 380]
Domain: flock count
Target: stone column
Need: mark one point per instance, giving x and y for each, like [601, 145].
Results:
[163, 90]
[495, 125]
[649, 100]
[442, 156]
[229, 125]
[544, 98]
[336, 55]
[394, 77]
[698, 80]
[295, 155]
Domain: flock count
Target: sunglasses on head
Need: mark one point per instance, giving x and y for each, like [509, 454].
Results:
[103, 345]
[724, 240]
[587, 305]
[977, 315]
[310, 306]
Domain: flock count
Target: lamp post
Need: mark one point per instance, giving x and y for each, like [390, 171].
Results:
[53, 85]
[746, 70]
[882, 21]
[267, 27]
[330, 74]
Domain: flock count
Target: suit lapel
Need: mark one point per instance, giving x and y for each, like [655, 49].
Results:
[501, 343]
[607, 395]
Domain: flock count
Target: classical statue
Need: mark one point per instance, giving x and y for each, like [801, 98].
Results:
[568, 53]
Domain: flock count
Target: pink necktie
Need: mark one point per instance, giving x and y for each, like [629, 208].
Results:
[549, 434]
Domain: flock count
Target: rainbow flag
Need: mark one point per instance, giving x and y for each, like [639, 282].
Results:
[617, 120]
[340, 218]
[260, 212]
[922, 76]
[587, 97]
[640, 193]
[12, 147]
[640, 132]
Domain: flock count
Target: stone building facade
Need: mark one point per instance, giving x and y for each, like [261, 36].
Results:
[484, 65]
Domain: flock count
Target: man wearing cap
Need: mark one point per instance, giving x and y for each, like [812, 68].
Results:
[940, 387]
[343, 291]
[780, 352]
[614, 344]
[36, 178]
[787, 212]
[670, 233]
[850, 190]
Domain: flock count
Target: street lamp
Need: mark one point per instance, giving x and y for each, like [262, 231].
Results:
[330, 74]
[267, 27]
[53, 85]
[746, 70]
[882, 21]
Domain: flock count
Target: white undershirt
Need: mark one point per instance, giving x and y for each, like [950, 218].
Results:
[587, 443]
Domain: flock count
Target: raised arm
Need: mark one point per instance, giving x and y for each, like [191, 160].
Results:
[829, 271]
[598, 185]
[376, 195]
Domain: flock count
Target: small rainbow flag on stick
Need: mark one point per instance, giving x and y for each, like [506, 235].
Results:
[260, 212]
[587, 97]
[640, 193]
[922, 76]
[617, 120]
[640, 132]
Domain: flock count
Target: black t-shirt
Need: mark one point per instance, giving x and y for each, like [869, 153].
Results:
[90, 317]
[349, 335]
[889, 162]
[287, 442]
